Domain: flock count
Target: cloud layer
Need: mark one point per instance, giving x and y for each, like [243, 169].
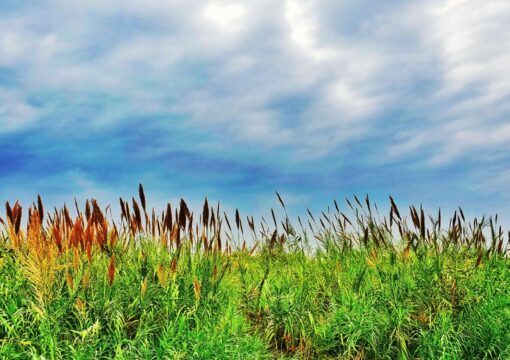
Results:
[236, 99]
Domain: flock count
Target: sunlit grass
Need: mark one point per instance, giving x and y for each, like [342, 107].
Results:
[172, 287]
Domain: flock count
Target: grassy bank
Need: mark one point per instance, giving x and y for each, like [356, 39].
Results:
[170, 287]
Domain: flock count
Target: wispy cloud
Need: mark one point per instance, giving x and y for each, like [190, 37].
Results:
[315, 97]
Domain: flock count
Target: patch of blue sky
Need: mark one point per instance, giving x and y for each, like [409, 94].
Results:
[9, 77]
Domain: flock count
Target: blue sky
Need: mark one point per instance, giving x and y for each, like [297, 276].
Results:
[237, 99]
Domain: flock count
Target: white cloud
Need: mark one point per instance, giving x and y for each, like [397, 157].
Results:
[303, 29]
[15, 113]
[228, 17]
[224, 65]
[466, 116]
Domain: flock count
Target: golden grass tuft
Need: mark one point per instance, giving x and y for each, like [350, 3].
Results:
[111, 271]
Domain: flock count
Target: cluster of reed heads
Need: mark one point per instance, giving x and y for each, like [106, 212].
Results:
[50, 235]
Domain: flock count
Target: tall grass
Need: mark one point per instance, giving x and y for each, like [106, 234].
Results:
[184, 285]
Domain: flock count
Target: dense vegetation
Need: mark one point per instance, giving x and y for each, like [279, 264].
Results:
[166, 286]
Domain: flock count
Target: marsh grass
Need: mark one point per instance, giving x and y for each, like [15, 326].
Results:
[166, 286]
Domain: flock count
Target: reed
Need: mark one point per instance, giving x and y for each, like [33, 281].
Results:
[350, 283]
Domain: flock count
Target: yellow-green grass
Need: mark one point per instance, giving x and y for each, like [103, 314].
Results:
[89, 289]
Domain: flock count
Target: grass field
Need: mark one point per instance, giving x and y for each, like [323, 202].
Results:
[178, 285]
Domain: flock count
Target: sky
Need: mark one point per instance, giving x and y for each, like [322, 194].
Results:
[235, 100]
